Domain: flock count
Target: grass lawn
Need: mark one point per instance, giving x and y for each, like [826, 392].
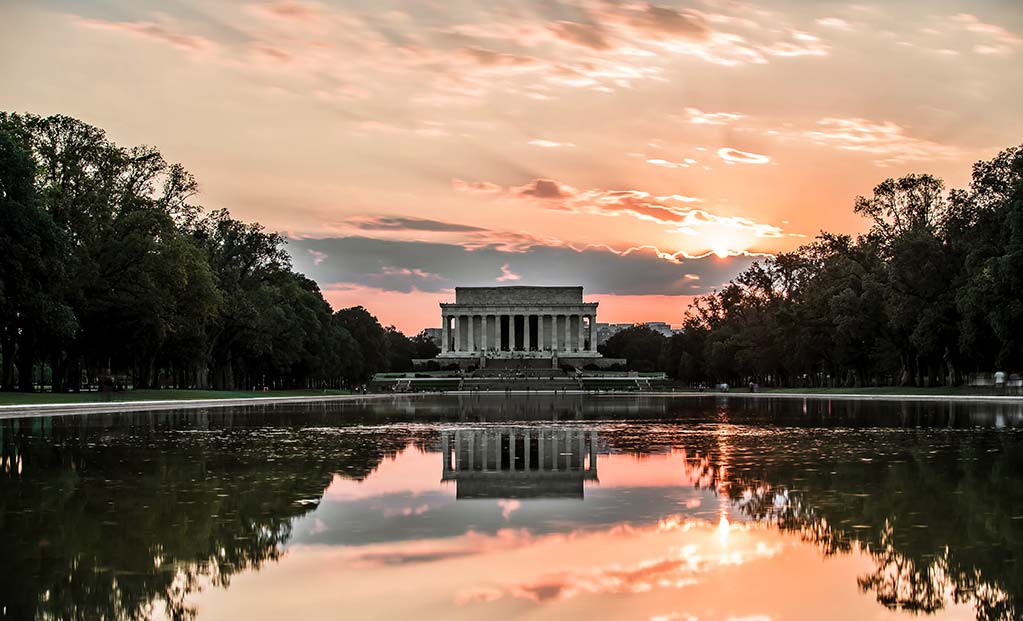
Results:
[18, 398]
[897, 390]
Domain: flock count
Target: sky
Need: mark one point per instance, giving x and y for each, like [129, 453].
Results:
[646, 151]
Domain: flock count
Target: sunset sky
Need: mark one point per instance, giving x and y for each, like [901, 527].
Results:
[648, 152]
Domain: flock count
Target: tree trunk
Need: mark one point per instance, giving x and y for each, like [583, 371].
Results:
[950, 368]
[24, 363]
[7, 353]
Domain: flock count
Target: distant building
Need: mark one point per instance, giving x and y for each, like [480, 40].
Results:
[607, 330]
[435, 334]
[660, 326]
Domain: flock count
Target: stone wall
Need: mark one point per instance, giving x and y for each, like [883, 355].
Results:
[518, 295]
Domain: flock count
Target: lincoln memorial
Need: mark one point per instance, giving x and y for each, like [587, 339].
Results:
[535, 327]
[519, 462]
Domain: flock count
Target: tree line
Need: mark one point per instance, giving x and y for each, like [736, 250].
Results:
[111, 269]
[931, 293]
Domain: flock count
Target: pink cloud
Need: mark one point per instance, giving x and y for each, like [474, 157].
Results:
[508, 276]
[592, 36]
[888, 142]
[293, 9]
[150, 30]
[544, 189]
[673, 209]
[550, 144]
[699, 117]
[476, 187]
[735, 156]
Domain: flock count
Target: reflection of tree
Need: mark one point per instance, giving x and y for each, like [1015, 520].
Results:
[933, 510]
[126, 521]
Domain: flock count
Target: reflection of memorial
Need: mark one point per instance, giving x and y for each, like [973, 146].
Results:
[519, 462]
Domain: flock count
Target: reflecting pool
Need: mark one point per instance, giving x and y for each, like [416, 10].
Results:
[541, 507]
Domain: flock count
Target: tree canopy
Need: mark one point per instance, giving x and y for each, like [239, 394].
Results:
[111, 269]
[932, 292]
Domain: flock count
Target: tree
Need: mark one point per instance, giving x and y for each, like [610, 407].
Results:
[31, 312]
[110, 268]
[639, 345]
[929, 293]
[370, 335]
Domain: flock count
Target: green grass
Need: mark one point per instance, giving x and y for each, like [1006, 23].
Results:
[897, 390]
[17, 398]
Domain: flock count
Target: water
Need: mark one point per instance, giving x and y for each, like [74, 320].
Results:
[630, 507]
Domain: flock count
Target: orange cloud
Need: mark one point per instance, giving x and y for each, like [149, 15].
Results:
[544, 189]
[672, 210]
[886, 141]
[735, 156]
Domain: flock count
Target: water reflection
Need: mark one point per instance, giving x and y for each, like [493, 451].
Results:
[809, 509]
[513, 463]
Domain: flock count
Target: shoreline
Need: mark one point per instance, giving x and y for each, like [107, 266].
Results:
[111, 407]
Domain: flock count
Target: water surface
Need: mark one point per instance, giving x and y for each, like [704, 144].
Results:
[541, 507]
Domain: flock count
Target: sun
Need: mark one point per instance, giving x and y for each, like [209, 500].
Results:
[721, 252]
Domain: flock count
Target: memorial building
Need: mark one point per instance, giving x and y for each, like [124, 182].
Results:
[519, 327]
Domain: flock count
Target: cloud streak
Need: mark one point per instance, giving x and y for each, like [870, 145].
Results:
[407, 266]
[674, 210]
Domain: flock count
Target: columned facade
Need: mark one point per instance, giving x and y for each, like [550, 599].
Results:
[511, 321]
[519, 462]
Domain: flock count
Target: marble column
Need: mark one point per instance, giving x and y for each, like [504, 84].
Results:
[511, 332]
[485, 440]
[582, 334]
[593, 333]
[511, 450]
[539, 450]
[568, 332]
[580, 454]
[445, 331]
[445, 450]
[555, 449]
[497, 325]
[525, 450]
[471, 334]
[458, 333]
[483, 332]
[539, 332]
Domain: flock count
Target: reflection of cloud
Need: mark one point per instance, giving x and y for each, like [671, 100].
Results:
[680, 567]
[508, 506]
[434, 550]
[406, 511]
